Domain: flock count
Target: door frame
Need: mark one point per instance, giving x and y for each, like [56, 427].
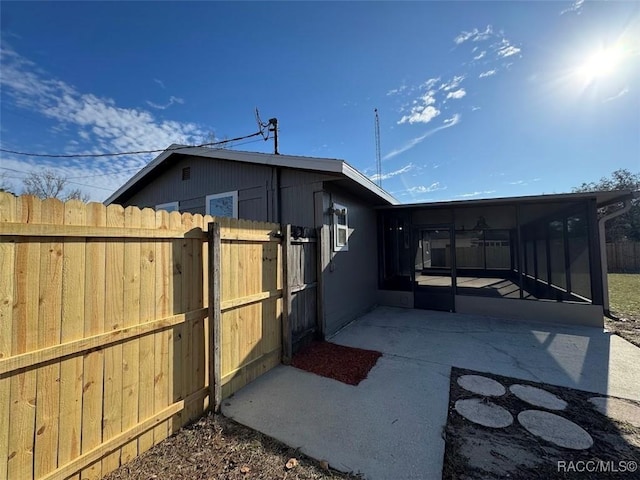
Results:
[414, 250]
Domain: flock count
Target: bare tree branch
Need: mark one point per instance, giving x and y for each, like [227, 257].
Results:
[49, 184]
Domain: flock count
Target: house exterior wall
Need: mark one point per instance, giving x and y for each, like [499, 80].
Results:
[350, 278]
[297, 192]
[257, 187]
[254, 183]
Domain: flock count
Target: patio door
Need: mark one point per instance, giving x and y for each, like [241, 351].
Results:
[433, 268]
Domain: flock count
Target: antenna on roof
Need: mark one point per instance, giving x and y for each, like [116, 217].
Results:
[378, 159]
[270, 127]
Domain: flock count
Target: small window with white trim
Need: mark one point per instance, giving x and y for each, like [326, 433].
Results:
[169, 207]
[222, 204]
[340, 228]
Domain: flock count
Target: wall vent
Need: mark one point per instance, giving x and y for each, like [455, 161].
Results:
[186, 173]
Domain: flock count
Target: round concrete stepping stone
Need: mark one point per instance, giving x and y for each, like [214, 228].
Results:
[617, 409]
[555, 429]
[538, 397]
[484, 413]
[481, 385]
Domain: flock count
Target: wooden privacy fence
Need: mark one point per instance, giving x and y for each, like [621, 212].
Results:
[303, 305]
[623, 257]
[104, 328]
[246, 302]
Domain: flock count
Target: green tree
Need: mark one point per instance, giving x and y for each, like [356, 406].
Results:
[49, 184]
[627, 226]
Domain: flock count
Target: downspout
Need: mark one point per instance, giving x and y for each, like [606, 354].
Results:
[603, 249]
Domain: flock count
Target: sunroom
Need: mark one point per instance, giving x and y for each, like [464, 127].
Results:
[529, 258]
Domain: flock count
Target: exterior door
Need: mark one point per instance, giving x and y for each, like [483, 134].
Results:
[433, 268]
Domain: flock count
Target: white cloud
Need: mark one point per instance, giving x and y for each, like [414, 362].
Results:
[430, 83]
[621, 93]
[420, 114]
[120, 129]
[172, 100]
[518, 182]
[453, 83]
[480, 55]
[506, 50]
[457, 94]
[488, 73]
[576, 6]
[386, 176]
[449, 122]
[475, 194]
[474, 35]
[434, 187]
[159, 82]
[396, 91]
[98, 124]
[422, 111]
[474, 108]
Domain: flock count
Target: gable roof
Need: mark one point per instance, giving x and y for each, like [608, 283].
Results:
[326, 165]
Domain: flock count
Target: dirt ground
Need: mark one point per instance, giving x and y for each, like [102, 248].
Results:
[626, 327]
[218, 448]
[476, 452]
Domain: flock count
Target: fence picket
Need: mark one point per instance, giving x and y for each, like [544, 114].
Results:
[93, 388]
[49, 323]
[175, 379]
[71, 369]
[147, 344]
[25, 318]
[131, 348]
[7, 278]
[161, 389]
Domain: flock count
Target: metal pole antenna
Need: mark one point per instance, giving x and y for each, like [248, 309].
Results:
[273, 127]
[378, 159]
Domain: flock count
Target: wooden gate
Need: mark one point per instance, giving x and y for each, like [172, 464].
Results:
[302, 319]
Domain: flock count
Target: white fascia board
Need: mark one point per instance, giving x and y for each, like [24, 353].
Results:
[358, 177]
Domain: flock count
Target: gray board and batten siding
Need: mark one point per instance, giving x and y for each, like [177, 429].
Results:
[256, 186]
[304, 198]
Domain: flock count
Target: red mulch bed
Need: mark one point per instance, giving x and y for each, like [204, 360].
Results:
[345, 364]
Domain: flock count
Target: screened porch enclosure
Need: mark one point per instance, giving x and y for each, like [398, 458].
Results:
[530, 251]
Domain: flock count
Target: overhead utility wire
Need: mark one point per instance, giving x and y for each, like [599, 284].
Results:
[138, 152]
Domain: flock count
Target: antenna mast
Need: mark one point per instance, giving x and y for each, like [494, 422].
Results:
[378, 160]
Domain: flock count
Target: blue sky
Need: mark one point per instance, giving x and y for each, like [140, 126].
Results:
[476, 100]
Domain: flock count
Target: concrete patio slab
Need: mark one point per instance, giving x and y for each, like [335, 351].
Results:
[538, 397]
[484, 386]
[390, 426]
[555, 429]
[484, 413]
